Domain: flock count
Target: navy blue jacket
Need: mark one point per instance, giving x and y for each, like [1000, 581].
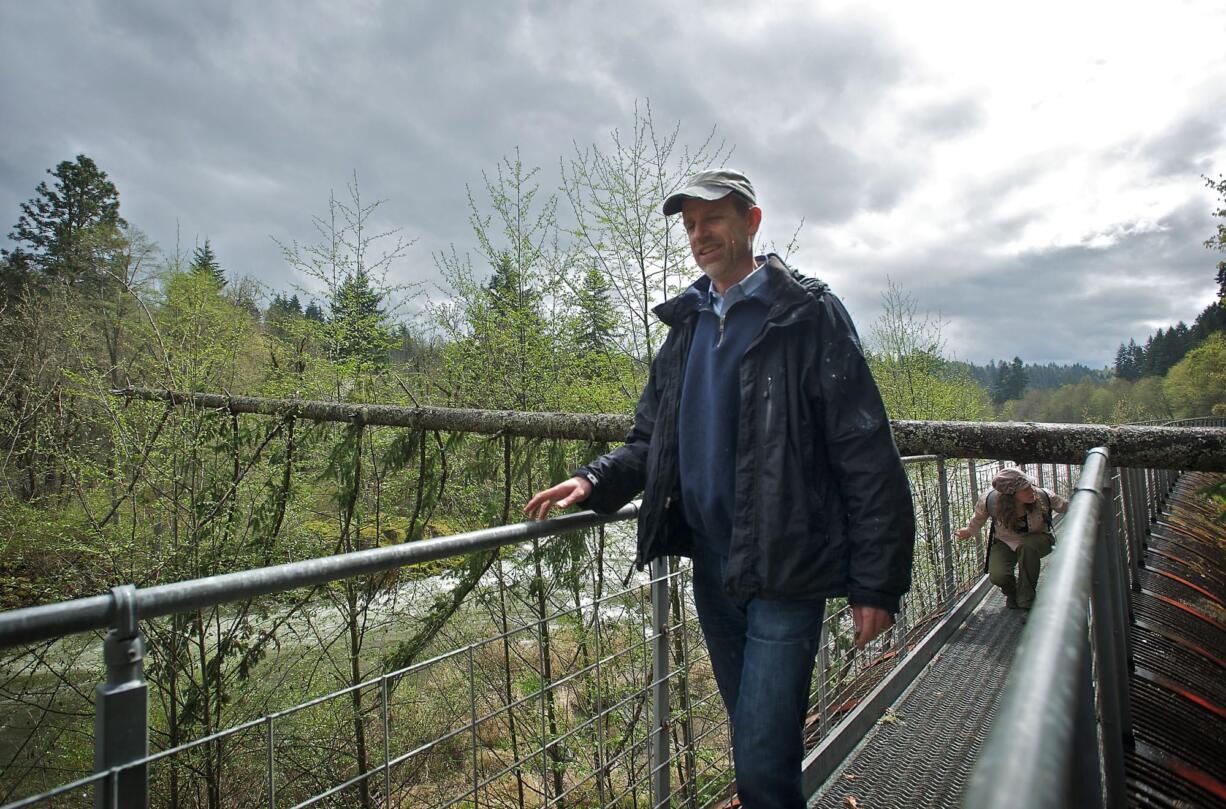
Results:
[823, 505]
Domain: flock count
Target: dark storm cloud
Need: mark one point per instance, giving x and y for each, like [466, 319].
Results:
[1186, 147]
[1071, 304]
[234, 120]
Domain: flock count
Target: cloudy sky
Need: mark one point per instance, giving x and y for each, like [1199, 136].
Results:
[1028, 171]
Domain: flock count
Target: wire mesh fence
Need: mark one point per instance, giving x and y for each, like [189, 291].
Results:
[540, 691]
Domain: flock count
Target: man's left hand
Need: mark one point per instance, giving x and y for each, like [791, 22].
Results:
[870, 622]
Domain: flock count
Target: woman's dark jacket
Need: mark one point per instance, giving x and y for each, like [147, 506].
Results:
[823, 506]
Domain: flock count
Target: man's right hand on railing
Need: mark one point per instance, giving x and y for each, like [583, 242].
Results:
[567, 493]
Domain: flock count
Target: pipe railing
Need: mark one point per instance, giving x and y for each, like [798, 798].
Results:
[946, 572]
[1180, 445]
[1064, 721]
[686, 722]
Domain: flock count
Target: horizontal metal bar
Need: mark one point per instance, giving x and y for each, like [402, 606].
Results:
[1031, 739]
[53, 620]
[81, 783]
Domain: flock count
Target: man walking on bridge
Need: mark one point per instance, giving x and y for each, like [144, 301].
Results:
[763, 451]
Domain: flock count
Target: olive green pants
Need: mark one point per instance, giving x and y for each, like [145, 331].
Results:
[1002, 560]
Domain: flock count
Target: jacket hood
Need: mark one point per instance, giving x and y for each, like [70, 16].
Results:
[790, 288]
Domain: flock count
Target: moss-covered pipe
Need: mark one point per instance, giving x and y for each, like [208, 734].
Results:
[1191, 448]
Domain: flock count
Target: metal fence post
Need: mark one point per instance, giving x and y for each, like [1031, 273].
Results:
[901, 627]
[660, 786]
[1120, 569]
[947, 547]
[1128, 523]
[823, 685]
[1085, 778]
[1140, 522]
[972, 469]
[1110, 666]
[121, 711]
[1151, 494]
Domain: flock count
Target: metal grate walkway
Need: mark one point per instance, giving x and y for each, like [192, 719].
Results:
[921, 753]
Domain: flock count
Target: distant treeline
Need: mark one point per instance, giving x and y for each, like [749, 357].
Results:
[1046, 376]
[1164, 348]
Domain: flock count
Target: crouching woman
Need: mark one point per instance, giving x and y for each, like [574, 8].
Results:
[1020, 533]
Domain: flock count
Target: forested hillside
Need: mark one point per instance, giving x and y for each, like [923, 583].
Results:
[1180, 371]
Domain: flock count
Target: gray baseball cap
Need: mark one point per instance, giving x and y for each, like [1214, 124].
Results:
[711, 185]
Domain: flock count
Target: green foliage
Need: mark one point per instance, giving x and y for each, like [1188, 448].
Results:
[916, 381]
[206, 336]
[1197, 384]
[614, 193]
[1116, 401]
[505, 346]
[351, 262]
[1218, 240]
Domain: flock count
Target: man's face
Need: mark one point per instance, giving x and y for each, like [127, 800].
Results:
[721, 238]
[1026, 495]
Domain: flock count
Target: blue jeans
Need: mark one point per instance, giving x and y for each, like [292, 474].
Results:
[762, 654]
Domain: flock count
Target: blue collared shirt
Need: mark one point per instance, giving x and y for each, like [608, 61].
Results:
[710, 407]
[744, 288]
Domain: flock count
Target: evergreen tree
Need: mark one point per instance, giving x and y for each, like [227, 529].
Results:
[597, 318]
[15, 273]
[281, 312]
[1147, 354]
[1123, 363]
[1136, 355]
[1011, 383]
[360, 328]
[65, 232]
[1211, 319]
[204, 261]
[313, 312]
[511, 292]
[282, 306]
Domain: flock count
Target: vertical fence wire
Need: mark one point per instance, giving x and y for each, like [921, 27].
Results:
[270, 762]
[387, 744]
[472, 728]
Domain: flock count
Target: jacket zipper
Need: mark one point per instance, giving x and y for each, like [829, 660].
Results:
[770, 406]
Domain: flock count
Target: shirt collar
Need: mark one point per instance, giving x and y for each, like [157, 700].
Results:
[746, 287]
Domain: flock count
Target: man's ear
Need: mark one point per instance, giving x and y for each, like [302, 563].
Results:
[755, 220]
